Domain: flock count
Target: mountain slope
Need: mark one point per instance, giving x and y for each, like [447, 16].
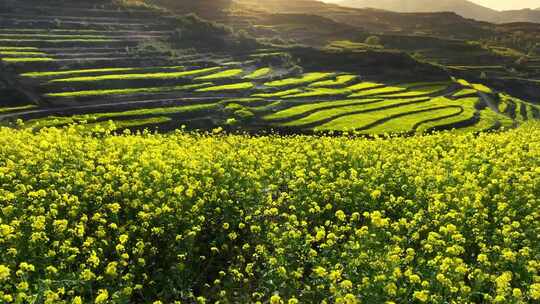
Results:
[461, 7]
[464, 8]
[524, 15]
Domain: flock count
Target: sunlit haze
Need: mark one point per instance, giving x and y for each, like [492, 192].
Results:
[495, 4]
[509, 5]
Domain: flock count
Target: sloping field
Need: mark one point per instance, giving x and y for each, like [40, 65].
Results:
[85, 64]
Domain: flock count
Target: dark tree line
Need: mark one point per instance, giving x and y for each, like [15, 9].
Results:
[193, 31]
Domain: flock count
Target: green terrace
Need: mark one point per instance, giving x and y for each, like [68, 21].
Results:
[159, 90]
[58, 40]
[170, 75]
[319, 101]
[131, 115]
[221, 75]
[21, 54]
[105, 71]
[374, 113]
[259, 73]
[50, 36]
[305, 79]
[128, 91]
[386, 116]
[26, 59]
[340, 80]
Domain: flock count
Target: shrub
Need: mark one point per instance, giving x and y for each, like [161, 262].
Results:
[373, 40]
[244, 115]
[522, 61]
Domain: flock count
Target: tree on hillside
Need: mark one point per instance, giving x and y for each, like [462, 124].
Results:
[534, 50]
[522, 61]
[196, 32]
[373, 40]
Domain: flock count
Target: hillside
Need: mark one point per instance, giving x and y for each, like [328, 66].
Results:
[524, 15]
[440, 24]
[148, 68]
[464, 8]
[267, 152]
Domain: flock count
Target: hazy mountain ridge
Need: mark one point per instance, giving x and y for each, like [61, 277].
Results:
[464, 8]
[440, 24]
[524, 15]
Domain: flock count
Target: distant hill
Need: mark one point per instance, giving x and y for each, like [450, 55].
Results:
[524, 15]
[440, 24]
[210, 9]
[464, 8]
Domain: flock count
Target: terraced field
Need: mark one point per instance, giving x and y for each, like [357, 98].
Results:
[84, 64]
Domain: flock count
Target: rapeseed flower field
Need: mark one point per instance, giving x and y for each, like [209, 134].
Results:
[217, 218]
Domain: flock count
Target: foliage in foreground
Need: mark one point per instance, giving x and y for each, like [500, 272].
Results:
[204, 218]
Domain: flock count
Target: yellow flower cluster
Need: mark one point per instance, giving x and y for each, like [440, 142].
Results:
[215, 218]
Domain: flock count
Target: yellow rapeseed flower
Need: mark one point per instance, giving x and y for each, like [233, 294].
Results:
[4, 272]
[102, 296]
